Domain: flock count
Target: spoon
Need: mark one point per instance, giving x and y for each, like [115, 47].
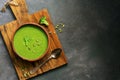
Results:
[54, 55]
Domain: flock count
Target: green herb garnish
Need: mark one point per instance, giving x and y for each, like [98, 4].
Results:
[43, 21]
[59, 27]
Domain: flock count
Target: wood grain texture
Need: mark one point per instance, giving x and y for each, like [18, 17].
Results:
[20, 11]
[7, 30]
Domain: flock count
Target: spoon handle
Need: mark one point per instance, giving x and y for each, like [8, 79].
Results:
[36, 68]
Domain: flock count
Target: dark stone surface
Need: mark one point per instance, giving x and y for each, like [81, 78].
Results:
[90, 39]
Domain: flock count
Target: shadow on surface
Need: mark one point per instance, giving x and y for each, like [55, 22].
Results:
[106, 45]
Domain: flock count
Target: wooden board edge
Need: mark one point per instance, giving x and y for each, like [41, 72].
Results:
[50, 70]
[2, 26]
[46, 10]
[2, 31]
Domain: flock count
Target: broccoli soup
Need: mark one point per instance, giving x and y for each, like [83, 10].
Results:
[30, 42]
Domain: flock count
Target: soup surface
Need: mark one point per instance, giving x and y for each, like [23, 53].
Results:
[30, 42]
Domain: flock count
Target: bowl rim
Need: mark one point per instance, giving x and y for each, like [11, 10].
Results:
[39, 26]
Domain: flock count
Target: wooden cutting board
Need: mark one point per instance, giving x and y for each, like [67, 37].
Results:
[7, 30]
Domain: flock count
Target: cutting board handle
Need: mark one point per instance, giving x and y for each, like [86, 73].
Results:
[20, 11]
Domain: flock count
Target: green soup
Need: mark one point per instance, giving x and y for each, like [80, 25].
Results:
[30, 42]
